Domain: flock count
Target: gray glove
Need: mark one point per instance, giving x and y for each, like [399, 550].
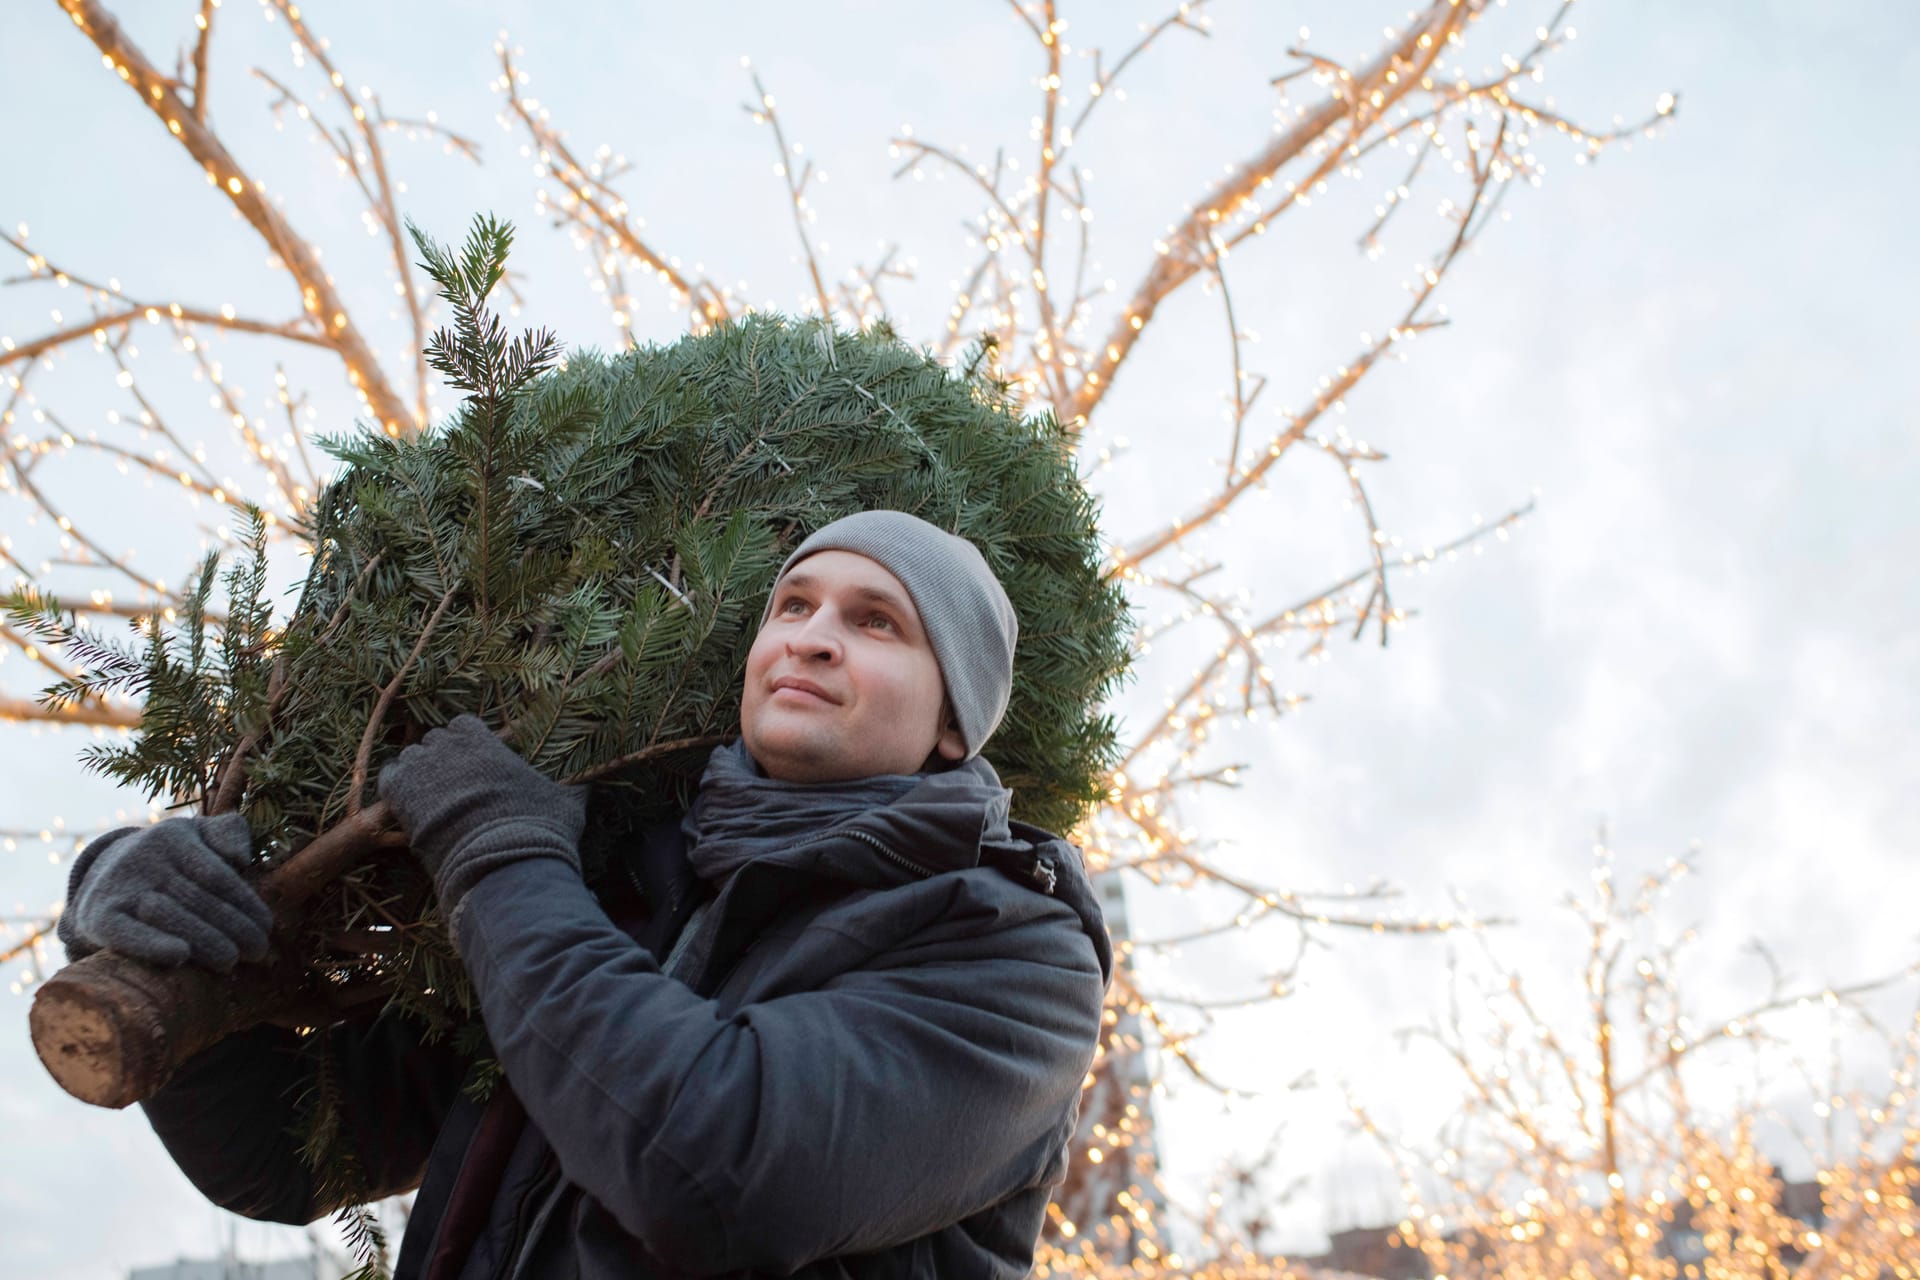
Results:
[168, 894]
[471, 805]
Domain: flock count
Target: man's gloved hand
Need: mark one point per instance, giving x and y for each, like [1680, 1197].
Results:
[169, 894]
[471, 805]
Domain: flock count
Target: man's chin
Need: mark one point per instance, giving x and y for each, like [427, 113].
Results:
[798, 757]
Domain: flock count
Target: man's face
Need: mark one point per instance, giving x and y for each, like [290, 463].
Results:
[841, 681]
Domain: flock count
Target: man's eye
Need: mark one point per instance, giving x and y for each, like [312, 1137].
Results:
[792, 605]
[881, 621]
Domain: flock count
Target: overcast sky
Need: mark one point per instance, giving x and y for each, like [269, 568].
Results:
[1690, 350]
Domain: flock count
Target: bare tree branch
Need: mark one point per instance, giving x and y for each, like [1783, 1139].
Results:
[761, 109]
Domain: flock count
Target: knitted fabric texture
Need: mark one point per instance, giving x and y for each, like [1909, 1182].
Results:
[969, 621]
[470, 805]
[168, 894]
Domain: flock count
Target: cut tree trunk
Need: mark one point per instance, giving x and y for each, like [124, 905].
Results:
[111, 1030]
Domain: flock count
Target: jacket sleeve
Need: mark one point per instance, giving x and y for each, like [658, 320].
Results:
[231, 1116]
[897, 1099]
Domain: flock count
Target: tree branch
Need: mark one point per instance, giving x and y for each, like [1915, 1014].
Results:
[203, 20]
[26, 710]
[378, 717]
[762, 111]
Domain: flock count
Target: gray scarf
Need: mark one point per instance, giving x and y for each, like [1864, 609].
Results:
[742, 814]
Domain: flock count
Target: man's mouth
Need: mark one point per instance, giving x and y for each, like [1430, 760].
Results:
[793, 684]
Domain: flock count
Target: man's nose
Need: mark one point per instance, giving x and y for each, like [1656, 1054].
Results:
[818, 638]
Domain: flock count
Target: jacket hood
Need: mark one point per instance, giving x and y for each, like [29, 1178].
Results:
[944, 825]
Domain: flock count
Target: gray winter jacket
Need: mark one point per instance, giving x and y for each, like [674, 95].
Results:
[867, 1063]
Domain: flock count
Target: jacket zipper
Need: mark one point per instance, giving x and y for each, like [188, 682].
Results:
[896, 858]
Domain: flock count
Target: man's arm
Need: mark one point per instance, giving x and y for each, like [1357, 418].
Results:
[898, 1099]
[173, 893]
[231, 1116]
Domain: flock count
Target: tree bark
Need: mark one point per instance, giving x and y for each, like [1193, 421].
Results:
[112, 1030]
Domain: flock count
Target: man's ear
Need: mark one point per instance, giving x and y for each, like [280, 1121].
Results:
[952, 744]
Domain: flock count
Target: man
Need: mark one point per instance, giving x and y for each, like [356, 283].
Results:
[840, 1030]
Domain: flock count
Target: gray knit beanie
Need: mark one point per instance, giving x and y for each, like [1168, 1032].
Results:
[969, 620]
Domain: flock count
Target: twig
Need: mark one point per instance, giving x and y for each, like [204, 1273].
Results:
[204, 21]
[1287, 618]
[1335, 389]
[380, 195]
[610, 767]
[1242, 400]
[378, 717]
[762, 110]
[24, 709]
[328, 855]
[1050, 333]
[1184, 253]
[22, 478]
[1103, 82]
[28, 943]
[233, 779]
[36, 347]
[605, 218]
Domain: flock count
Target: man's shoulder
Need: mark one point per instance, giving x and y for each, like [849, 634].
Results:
[996, 907]
[956, 922]
[1057, 868]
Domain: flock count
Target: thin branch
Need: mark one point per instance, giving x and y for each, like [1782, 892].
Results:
[290, 406]
[1336, 388]
[25, 710]
[24, 480]
[1740, 1024]
[762, 111]
[151, 419]
[458, 142]
[1288, 618]
[1242, 400]
[273, 463]
[610, 767]
[1168, 849]
[358, 786]
[204, 21]
[233, 779]
[33, 938]
[32, 650]
[1101, 88]
[94, 328]
[380, 196]
[1050, 333]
